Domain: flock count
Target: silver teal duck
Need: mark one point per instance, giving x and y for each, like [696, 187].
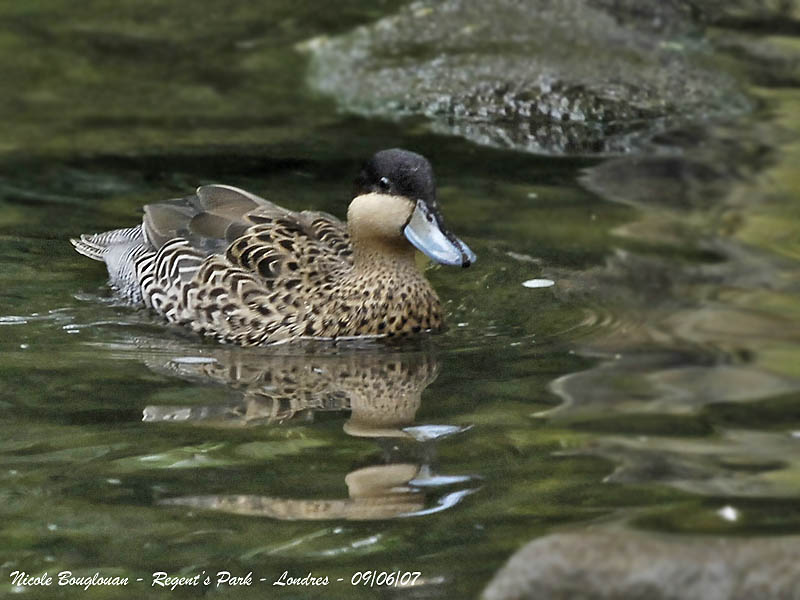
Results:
[236, 267]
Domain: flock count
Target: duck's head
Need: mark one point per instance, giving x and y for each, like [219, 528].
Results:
[395, 203]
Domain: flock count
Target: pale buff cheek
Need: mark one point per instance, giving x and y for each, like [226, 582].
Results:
[378, 216]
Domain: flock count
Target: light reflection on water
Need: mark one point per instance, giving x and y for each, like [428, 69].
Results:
[381, 392]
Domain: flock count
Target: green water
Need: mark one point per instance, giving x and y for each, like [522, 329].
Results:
[656, 385]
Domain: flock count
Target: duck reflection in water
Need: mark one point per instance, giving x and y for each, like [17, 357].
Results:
[382, 390]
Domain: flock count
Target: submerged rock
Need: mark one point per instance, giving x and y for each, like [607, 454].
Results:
[649, 567]
[568, 76]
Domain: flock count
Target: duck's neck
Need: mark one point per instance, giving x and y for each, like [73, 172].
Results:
[374, 256]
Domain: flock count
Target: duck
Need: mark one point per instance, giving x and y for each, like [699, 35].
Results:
[235, 267]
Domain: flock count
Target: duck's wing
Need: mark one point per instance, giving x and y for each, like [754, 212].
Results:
[218, 215]
[239, 266]
[266, 285]
[209, 220]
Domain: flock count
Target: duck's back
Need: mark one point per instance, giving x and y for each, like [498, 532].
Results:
[226, 263]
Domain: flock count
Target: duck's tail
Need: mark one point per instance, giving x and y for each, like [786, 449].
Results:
[123, 251]
[97, 245]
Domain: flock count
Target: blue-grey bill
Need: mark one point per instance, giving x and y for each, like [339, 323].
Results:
[425, 232]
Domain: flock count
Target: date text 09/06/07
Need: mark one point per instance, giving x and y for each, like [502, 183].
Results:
[366, 578]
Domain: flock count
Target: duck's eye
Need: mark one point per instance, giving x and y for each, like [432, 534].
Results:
[384, 184]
